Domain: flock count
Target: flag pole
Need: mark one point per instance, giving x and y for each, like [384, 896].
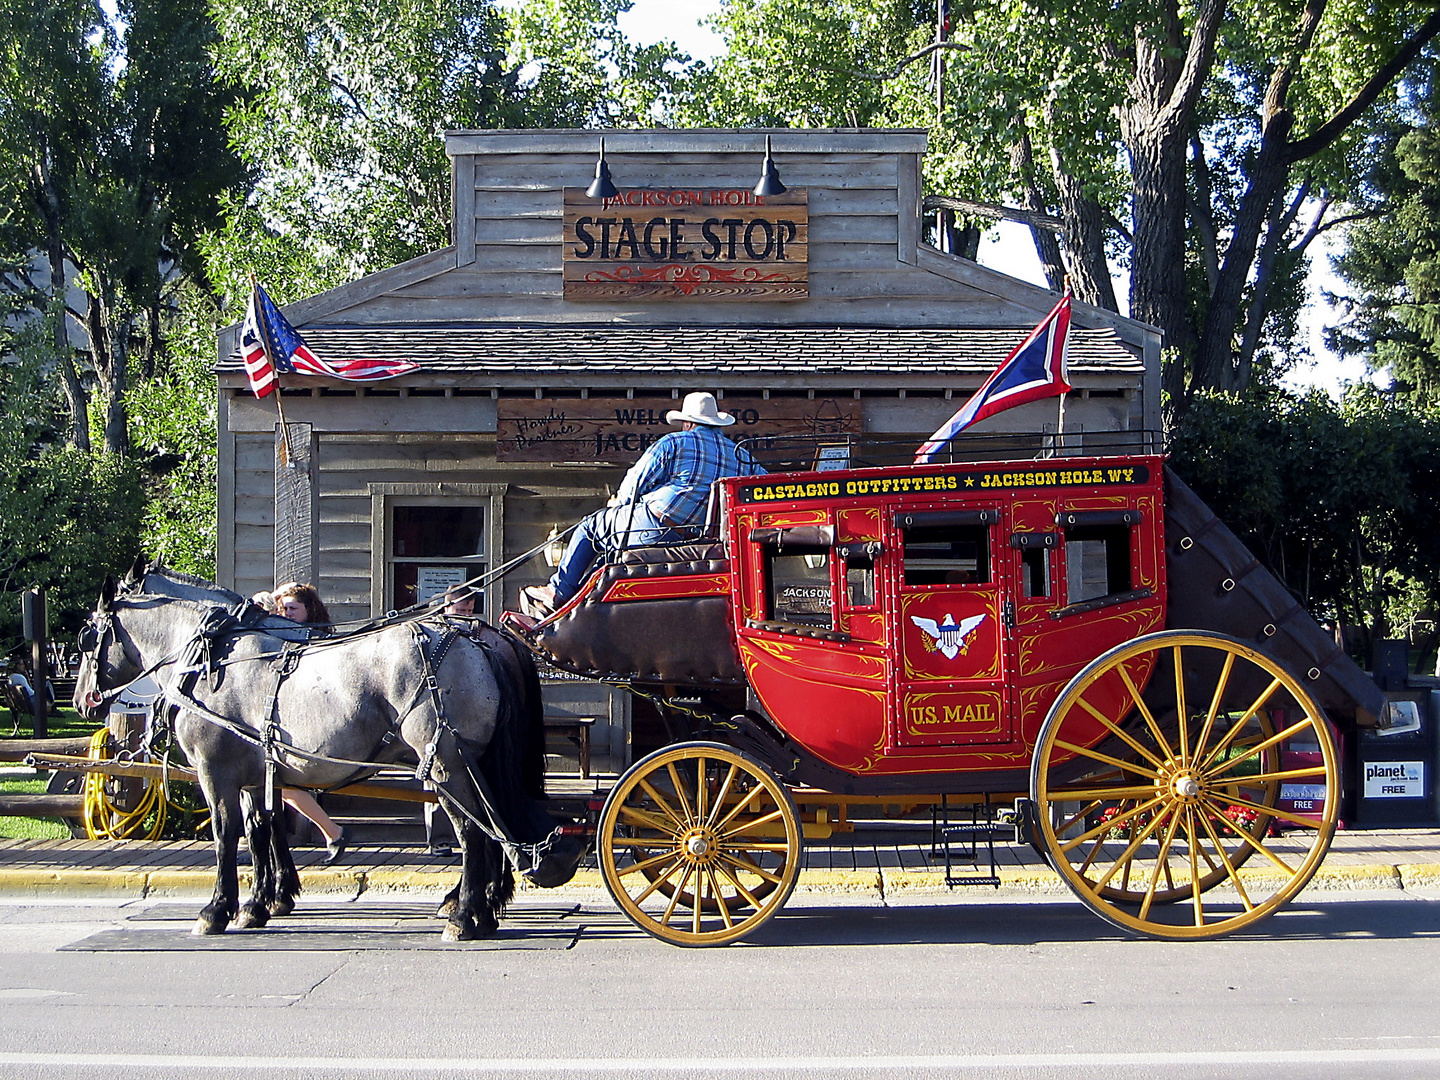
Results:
[286, 458]
[1060, 418]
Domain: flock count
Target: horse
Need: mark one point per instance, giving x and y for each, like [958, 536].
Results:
[253, 709]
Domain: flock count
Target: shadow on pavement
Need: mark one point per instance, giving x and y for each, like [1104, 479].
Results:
[1012, 923]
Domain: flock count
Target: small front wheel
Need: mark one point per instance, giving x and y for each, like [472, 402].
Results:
[699, 844]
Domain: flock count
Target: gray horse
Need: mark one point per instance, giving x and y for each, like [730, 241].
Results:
[242, 684]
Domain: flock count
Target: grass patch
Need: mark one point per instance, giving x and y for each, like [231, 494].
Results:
[26, 828]
[61, 724]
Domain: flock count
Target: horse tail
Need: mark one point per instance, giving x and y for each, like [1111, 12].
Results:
[514, 762]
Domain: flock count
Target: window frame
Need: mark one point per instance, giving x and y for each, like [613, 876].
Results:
[384, 498]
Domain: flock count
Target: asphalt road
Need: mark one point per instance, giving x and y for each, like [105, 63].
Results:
[932, 988]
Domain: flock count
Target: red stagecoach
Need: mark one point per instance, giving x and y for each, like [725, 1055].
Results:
[1077, 627]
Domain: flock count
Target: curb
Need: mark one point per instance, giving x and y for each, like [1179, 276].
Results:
[879, 883]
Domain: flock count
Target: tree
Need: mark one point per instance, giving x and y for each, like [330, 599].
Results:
[1339, 500]
[346, 106]
[115, 161]
[1392, 316]
[1218, 124]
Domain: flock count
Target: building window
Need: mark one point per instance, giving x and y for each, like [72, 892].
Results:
[428, 537]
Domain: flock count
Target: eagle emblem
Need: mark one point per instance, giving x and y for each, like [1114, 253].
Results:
[948, 636]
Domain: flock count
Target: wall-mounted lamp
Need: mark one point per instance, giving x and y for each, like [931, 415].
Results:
[554, 547]
[769, 179]
[602, 187]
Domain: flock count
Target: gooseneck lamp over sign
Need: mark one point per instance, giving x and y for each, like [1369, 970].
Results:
[769, 179]
[602, 187]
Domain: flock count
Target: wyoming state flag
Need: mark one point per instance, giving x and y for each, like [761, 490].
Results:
[1035, 370]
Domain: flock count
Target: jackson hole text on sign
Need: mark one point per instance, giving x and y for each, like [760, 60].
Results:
[572, 429]
[686, 244]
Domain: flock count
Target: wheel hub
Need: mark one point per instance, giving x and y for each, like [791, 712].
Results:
[698, 845]
[1185, 787]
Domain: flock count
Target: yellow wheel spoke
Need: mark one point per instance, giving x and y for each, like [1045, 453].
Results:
[1268, 777]
[1194, 867]
[1225, 858]
[648, 864]
[641, 897]
[701, 789]
[754, 823]
[722, 795]
[1180, 708]
[697, 911]
[1160, 739]
[744, 800]
[635, 816]
[660, 801]
[1271, 811]
[1084, 812]
[739, 888]
[680, 792]
[1106, 826]
[1121, 732]
[1259, 748]
[1127, 856]
[1133, 791]
[756, 845]
[1247, 838]
[1095, 755]
[719, 900]
[750, 867]
[1214, 710]
[1255, 707]
[1161, 860]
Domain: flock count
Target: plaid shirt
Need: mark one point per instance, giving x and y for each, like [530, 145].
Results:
[674, 475]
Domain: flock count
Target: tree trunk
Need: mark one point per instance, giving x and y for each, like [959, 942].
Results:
[1158, 293]
[109, 346]
[77, 401]
[1083, 236]
[1047, 247]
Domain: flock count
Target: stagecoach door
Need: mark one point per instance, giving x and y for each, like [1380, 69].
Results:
[950, 618]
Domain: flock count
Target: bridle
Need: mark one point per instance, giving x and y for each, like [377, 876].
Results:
[91, 644]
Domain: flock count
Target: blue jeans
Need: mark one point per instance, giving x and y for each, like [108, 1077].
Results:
[604, 530]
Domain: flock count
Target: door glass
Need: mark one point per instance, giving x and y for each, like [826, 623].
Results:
[947, 555]
[800, 586]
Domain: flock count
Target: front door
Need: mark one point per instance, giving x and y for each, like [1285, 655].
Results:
[950, 621]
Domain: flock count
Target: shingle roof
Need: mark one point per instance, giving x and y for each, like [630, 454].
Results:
[738, 350]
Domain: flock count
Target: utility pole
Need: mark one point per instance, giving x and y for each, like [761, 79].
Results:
[33, 618]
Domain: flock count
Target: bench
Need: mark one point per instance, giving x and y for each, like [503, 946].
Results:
[577, 730]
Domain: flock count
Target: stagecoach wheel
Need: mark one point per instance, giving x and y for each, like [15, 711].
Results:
[1157, 775]
[699, 820]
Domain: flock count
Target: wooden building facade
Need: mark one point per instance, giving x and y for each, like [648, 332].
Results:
[556, 331]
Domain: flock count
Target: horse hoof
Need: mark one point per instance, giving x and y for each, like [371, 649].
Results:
[252, 917]
[455, 931]
[207, 925]
[447, 909]
[280, 908]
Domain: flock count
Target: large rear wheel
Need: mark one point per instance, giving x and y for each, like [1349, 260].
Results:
[699, 844]
[1158, 774]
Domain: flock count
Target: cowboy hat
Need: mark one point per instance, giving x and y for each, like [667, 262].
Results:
[699, 408]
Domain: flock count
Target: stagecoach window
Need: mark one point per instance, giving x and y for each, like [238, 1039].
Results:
[1035, 571]
[859, 580]
[800, 585]
[1097, 561]
[947, 555]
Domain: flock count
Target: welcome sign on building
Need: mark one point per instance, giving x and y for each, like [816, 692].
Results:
[686, 243]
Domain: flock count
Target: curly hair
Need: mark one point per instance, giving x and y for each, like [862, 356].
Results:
[308, 595]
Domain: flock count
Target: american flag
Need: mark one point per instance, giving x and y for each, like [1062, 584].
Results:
[270, 346]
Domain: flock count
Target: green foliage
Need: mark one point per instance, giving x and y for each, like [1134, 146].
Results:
[1392, 263]
[1340, 500]
[172, 426]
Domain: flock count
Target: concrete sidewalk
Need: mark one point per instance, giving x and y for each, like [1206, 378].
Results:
[876, 862]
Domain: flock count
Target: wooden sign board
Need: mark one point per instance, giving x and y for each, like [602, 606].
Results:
[687, 244]
[567, 429]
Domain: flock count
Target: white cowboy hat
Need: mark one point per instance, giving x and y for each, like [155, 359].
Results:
[699, 408]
